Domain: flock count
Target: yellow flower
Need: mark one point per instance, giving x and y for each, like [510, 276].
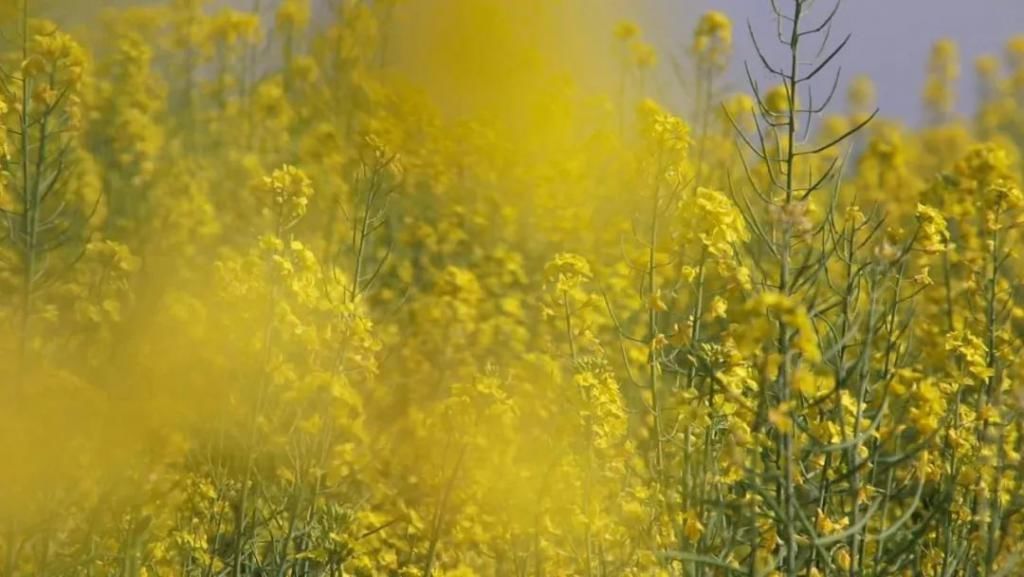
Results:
[232, 27]
[644, 55]
[719, 308]
[692, 527]
[717, 222]
[566, 272]
[626, 30]
[842, 559]
[781, 417]
[712, 38]
[290, 190]
[972, 350]
[826, 526]
[777, 100]
[657, 303]
[934, 233]
[292, 14]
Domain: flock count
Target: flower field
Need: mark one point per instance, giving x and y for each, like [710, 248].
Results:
[467, 288]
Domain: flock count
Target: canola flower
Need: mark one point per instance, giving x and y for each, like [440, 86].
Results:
[279, 302]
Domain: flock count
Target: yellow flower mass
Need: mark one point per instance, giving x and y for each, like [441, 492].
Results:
[467, 288]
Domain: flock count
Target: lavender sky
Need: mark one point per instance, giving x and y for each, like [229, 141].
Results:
[891, 39]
